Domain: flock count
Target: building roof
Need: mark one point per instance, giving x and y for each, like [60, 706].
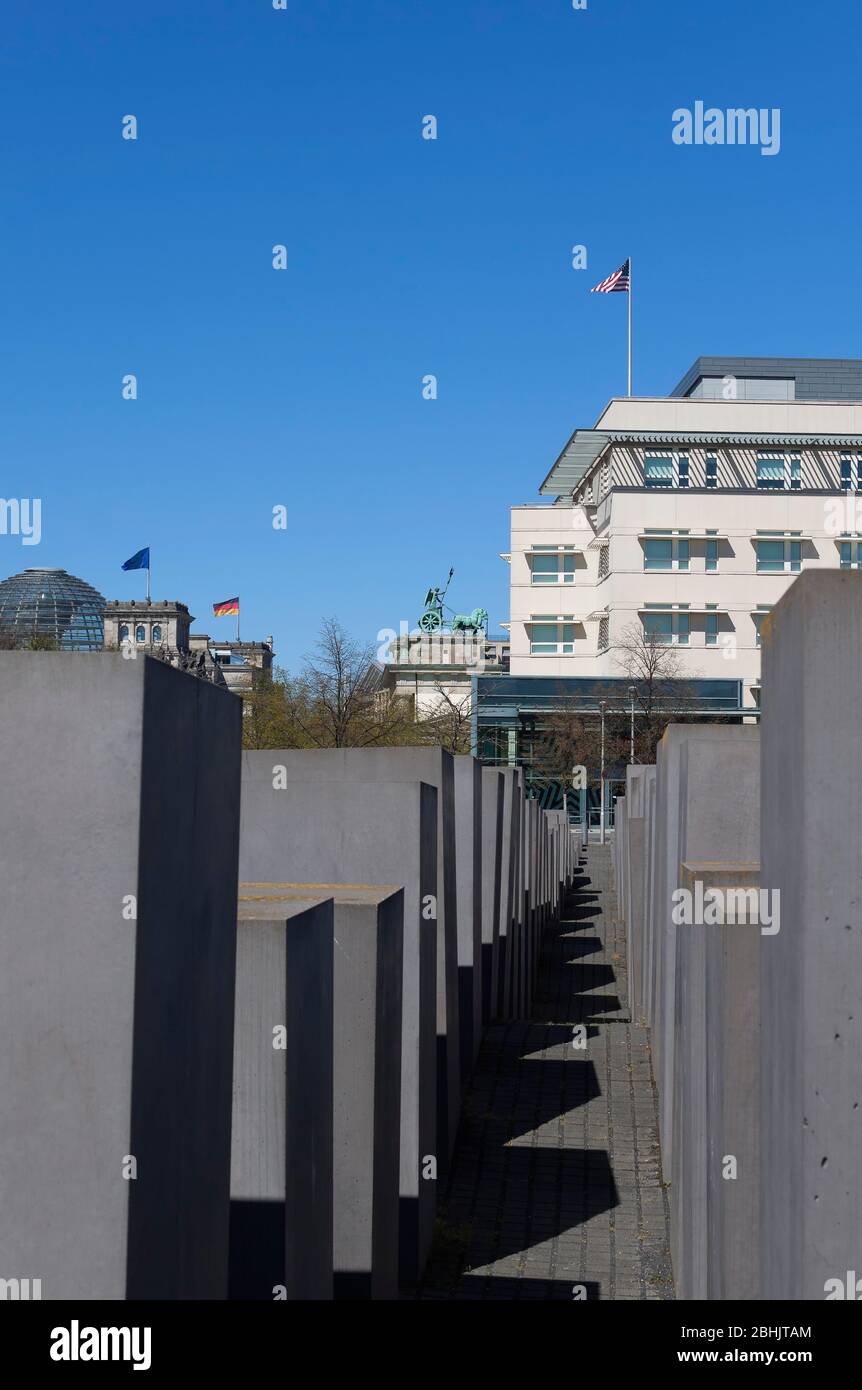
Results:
[586, 447]
[824, 412]
[816, 378]
[53, 604]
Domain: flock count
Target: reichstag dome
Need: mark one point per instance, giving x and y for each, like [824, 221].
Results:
[53, 604]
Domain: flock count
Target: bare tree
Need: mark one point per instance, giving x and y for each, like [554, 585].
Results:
[572, 737]
[663, 692]
[333, 703]
[449, 724]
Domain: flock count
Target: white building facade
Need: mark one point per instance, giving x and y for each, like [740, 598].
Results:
[686, 517]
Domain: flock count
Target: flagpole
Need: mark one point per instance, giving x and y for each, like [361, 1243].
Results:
[148, 581]
[630, 325]
[237, 622]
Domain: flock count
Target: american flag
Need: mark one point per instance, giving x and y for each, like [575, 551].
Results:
[618, 283]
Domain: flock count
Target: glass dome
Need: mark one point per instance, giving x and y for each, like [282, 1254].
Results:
[54, 604]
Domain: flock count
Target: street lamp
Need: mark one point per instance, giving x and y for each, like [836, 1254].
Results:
[632, 698]
[602, 707]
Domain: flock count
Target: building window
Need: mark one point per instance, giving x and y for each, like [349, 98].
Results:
[850, 554]
[666, 628]
[666, 552]
[604, 634]
[157, 633]
[711, 471]
[776, 556]
[779, 472]
[666, 470]
[552, 637]
[140, 633]
[757, 619]
[711, 629]
[604, 561]
[554, 568]
[851, 472]
[124, 632]
[711, 560]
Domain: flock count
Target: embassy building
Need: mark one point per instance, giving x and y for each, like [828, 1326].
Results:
[678, 521]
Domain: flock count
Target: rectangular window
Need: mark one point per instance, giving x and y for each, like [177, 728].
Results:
[658, 553]
[604, 634]
[757, 619]
[666, 628]
[552, 638]
[711, 471]
[666, 470]
[846, 471]
[770, 471]
[711, 629]
[775, 556]
[552, 569]
[658, 627]
[850, 555]
[770, 557]
[777, 472]
[666, 552]
[658, 470]
[711, 554]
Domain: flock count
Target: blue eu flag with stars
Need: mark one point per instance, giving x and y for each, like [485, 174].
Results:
[140, 561]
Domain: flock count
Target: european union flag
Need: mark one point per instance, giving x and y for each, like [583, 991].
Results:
[141, 561]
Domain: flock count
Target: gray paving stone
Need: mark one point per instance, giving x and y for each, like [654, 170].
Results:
[556, 1174]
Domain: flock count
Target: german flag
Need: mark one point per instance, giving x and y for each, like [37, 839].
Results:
[222, 610]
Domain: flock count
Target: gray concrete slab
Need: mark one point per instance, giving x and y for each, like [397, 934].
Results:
[502, 998]
[732, 1004]
[493, 793]
[669, 854]
[620, 846]
[811, 970]
[435, 767]
[469, 877]
[369, 832]
[282, 1132]
[633, 847]
[119, 815]
[645, 977]
[719, 809]
[368, 968]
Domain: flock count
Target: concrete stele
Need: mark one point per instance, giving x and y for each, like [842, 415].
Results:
[119, 821]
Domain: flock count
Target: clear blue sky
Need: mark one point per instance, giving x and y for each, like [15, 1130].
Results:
[406, 257]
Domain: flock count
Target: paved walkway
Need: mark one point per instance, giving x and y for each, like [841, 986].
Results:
[555, 1181]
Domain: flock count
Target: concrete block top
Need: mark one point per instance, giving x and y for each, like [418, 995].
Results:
[721, 866]
[676, 734]
[276, 909]
[296, 897]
